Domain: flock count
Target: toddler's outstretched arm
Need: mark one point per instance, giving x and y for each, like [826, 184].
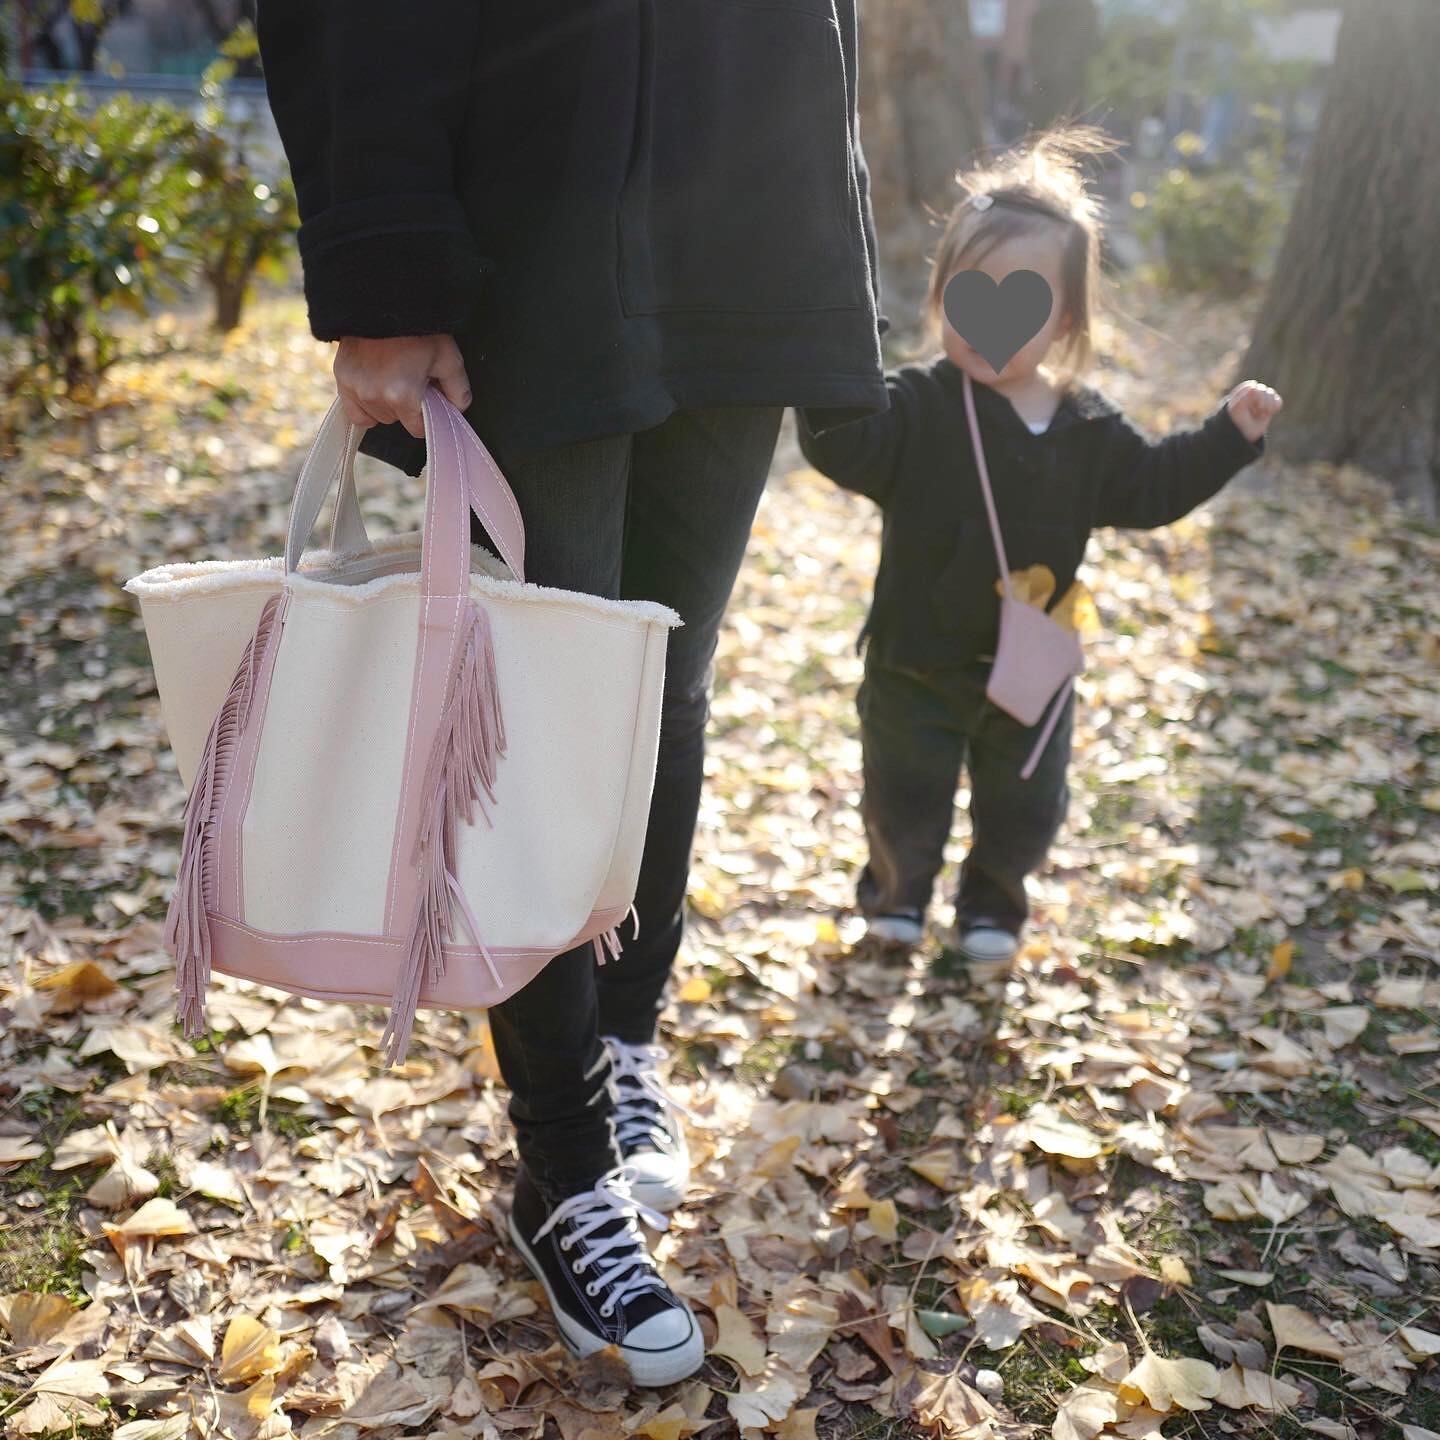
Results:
[862, 455]
[1148, 483]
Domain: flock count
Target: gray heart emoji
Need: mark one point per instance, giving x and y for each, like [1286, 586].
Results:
[998, 320]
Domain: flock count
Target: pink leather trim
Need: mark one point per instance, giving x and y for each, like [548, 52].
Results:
[361, 969]
[444, 573]
[229, 852]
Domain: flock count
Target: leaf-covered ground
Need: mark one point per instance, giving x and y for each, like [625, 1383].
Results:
[1181, 1170]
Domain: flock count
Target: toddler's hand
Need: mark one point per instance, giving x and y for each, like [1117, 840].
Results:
[1252, 407]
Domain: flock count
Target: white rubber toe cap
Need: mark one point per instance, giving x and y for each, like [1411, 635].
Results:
[665, 1348]
[895, 930]
[989, 945]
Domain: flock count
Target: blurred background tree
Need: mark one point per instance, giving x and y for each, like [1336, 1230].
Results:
[921, 117]
[240, 223]
[1350, 327]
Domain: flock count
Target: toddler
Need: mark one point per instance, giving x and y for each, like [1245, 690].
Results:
[1062, 460]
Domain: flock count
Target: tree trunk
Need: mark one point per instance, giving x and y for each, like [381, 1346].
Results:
[229, 303]
[921, 119]
[1064, 36]
[1350, 329]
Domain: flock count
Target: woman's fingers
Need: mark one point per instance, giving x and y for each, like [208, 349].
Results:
[449, 373]
[356, 413]
[385, 380]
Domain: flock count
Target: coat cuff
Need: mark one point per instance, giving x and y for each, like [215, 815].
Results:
[403, 265]
[1236, 450]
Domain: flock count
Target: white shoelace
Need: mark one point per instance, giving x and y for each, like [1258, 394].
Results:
[631, 1272]
[635, 1117]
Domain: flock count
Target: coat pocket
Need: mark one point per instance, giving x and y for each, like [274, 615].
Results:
[741, 192]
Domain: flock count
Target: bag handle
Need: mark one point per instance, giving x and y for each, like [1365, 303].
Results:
[332, 457]
[979, 449]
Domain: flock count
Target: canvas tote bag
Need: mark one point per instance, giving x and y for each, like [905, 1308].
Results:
[413, 777]
[1037, 658]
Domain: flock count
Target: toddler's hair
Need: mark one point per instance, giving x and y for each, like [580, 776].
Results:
[1037, 187]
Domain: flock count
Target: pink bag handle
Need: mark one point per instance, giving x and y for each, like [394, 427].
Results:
[984, 470]
[332, 457]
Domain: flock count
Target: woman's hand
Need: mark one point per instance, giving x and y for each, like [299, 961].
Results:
[1252, 407]
[380, 381]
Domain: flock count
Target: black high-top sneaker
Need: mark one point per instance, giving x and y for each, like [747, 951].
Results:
[647, 1124]
[601, 1279]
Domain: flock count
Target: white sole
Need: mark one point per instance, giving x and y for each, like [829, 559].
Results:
[648, 1369]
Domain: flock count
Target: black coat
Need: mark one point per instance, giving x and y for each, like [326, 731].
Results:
[935, 601]
[618, 207]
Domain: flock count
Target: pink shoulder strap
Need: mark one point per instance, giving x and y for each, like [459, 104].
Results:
[979, 449]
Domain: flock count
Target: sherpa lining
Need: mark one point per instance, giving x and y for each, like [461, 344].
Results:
[489, 577]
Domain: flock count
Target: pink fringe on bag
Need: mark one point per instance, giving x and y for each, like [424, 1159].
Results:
[607, 944]
[460, 775]
[187, 924]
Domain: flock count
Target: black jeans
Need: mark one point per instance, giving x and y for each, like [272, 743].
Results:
[663, 514]
[916, 730]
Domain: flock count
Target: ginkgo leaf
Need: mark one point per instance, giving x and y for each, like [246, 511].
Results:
[1111, 1361]
[1420, 1343]
[760, 1402]
[672, 1423]
[1344, 1024]
[30, 1319]
[1296, 1329]
[1084, 1413]
[85, 1147]
[1242, 1387]
[798, 1326]
[17, 1149]
[738, 1341]
[250, 1350]
[468, 1287]
[950, 1406]
[798, 1425]
[77, 985]
[1166, 1384]
[884, 1219]
[1295, 1149]
[173, 1427]
[1052, 1132]
[154, 1219]
[122, 1184]
[49, 1415]
[936, 1166]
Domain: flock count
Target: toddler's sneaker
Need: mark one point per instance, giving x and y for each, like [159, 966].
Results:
[601, 1280]
[988, 950]
[647, 1124]
[904, 927]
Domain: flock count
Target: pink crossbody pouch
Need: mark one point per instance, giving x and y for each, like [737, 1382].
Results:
[1037, 658]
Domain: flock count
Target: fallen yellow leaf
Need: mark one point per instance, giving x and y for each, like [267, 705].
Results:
[738, 1341]
[250, 1350]
[884, 1219]
[1297, 1329]
[694, 990]
[1165, 1384]
[30, 1319]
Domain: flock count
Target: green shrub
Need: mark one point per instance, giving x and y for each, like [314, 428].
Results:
[93, 204]
[1214, 229]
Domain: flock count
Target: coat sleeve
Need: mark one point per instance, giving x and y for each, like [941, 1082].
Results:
[1148, 483]
[369, 97]
[861, 455]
